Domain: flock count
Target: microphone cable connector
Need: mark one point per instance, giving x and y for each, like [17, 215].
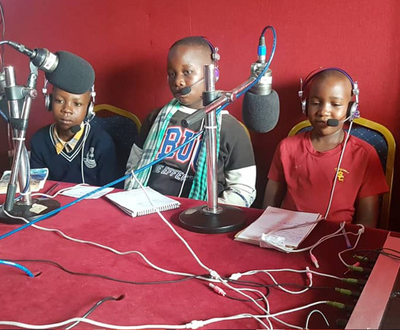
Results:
[360, 269]
[348, 292]
[314, 260]
[262, 50]
[336, 304]
[354, 280]
[214, 275]
[357, 264]
[364, 260]
[194, 324]
[235, 276]
[308, 273]
[217, 289]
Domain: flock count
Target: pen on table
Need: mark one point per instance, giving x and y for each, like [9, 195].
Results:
[52, 188]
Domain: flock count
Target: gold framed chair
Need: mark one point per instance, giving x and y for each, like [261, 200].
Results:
[383, 141]
[123, 127]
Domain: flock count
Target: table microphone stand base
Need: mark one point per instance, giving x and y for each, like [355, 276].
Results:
[201, 220]
[43, 206]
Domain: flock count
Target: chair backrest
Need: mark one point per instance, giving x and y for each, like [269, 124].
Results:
[383, 141]
[123, 127]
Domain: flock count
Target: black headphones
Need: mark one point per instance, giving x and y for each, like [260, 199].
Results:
[90, 110]
[214, 56]
[352, 110]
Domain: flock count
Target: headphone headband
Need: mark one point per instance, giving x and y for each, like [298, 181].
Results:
[90, 111]
[353, 106]
[312, 74]
[214, 56]
[214, 51]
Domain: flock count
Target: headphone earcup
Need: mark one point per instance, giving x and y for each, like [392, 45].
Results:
[304, 106]
[90, 112]
[352, 109]
[47, 101]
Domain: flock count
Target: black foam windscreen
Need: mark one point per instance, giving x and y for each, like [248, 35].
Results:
[73, 74]
[260, 112]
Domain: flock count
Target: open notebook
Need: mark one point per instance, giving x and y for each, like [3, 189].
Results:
[279, 228]
[135, 202]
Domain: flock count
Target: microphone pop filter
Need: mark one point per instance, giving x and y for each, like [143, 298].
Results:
[73, 74]
[260, 112]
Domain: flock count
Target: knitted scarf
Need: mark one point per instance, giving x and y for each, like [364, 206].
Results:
[152, 145]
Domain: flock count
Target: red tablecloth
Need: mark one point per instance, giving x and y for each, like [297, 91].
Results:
[56, 295]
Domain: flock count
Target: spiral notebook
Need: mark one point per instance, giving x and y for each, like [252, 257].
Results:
[135, 202]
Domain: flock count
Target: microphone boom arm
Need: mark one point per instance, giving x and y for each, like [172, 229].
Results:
[222, 101]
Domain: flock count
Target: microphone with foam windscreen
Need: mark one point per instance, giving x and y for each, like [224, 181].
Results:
[260, 108]
[73, 74]
[64, 70]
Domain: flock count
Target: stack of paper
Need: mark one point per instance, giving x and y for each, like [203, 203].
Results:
[279, 228]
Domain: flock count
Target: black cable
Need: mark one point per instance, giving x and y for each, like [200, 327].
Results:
[250, 284]
[92, 309]
[379, 251]
[268, 286]
[105, 276]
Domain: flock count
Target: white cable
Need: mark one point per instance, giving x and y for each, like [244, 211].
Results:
[191, 325]
[101, 246]
[266, 311]
[213, 274]
[192, 157]
[311, 246]
[298, 308]
[86, 133]
[337, 171]
[254, 272]
[172, 228]
[58, 192]
[316, 311]
[290, 291]
[358, 234]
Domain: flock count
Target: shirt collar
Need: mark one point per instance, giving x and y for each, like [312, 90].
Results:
[69, 145]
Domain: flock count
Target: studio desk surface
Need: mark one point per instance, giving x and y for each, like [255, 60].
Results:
[56, 295]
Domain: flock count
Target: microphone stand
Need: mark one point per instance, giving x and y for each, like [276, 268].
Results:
[25, 206]
[212, 218]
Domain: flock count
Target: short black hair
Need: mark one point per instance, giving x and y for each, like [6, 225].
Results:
[332, 73]
[198, 41]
